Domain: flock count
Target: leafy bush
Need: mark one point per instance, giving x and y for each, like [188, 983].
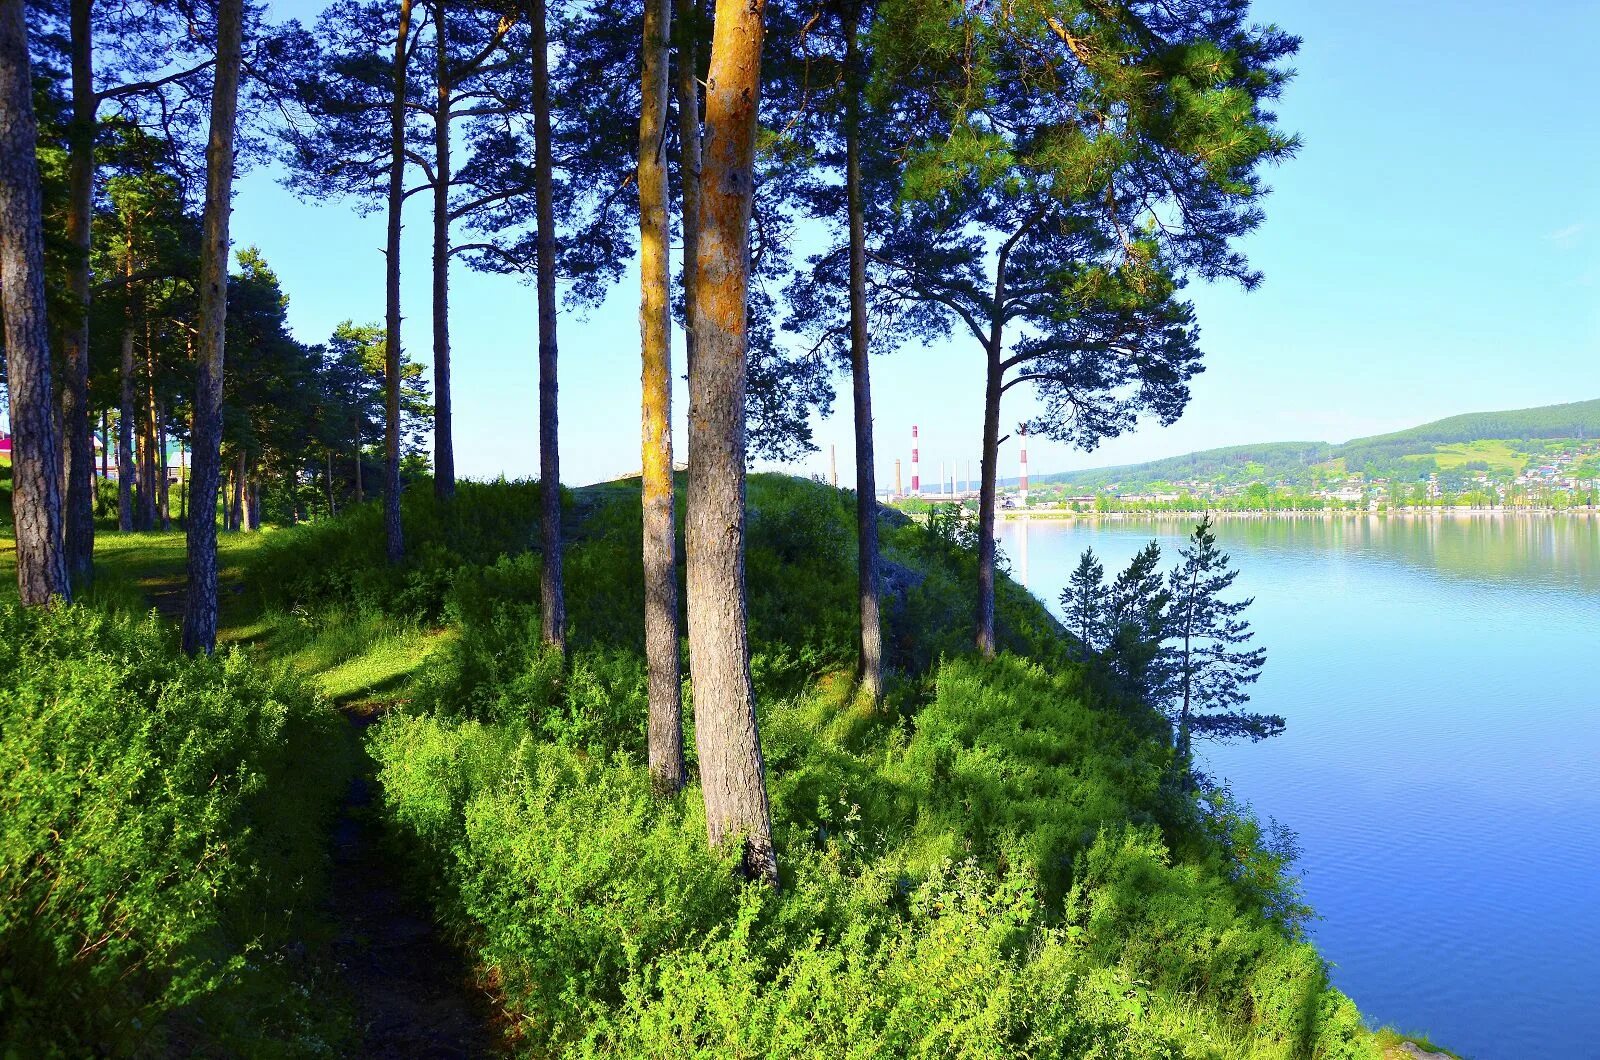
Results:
[984, 875]
[994, 864]
[342, 562]
[162, 839]
[570, 875]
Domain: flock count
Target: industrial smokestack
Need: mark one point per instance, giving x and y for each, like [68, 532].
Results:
[833, 465]
[898, 492]
[1022, 494]
[941, 476]
[916, 472]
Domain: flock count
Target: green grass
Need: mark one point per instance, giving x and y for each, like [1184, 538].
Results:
[994, 864]
[1500, 454]
[1389, 1040]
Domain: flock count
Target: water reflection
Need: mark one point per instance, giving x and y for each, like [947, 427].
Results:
[1442, 758]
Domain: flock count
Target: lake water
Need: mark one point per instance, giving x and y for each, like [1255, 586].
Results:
[1441, 681]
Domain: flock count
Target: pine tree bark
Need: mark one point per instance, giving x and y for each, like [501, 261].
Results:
[147, 433]
[395, 538]
[986, 499]
[78, 441]
[200, 604]
[252, 504]
[552, 590]
[667, 768]
[163, 497]
[444, 455]
[36, 454]
[732, 773]
[236, 504]
[125, 413]
[871, 644]
[994, 387]
[688, 98]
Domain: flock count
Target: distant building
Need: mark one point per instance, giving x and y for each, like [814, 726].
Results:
[5, 444]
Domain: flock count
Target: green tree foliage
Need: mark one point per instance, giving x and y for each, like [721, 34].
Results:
[1067, 168]
[1084, 603]
[1136, 617]
[1211, 670]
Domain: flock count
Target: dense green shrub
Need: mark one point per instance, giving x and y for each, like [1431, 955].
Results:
[568, 873]
[341, 561]
[985, 875]
[162, 838]
[995, 864]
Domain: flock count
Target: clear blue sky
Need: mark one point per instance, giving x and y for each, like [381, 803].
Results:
[1434, 249]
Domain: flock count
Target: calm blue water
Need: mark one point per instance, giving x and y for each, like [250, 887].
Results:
[1441, 681]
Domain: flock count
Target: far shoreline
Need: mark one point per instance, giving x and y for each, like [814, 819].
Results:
[1014, 514]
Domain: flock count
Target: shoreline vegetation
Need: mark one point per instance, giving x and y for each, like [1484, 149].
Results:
[996, 861]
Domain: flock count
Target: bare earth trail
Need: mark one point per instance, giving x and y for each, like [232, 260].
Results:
[411, 992]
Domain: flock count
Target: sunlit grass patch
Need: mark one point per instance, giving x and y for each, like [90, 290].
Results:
[345, 654]
[1392, 1042]
[1499, 454]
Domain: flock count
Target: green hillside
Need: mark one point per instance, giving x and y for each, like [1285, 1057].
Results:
[1495, 442]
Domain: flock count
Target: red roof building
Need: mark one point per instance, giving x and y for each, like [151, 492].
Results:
[5, 443]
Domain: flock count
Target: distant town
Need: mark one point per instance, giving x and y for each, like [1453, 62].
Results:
[1476, 475]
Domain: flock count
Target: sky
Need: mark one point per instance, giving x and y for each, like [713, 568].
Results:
[1433, 249]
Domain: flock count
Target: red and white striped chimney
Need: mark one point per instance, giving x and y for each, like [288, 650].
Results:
[916, 474]
[1023, 492]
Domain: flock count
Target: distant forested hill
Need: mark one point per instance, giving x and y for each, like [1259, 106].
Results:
[1442, 444]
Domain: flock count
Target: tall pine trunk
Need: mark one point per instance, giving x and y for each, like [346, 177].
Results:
[986, 500]
[395, 538]
[147, 436]
[871, 644]
[125, 412]
[36, 453]
[236, 504]
[688, 99]
[552, 591]
[163, 493]
[444, 453]
[667, 768]
[732, 774]
[200, 604]
[994, 388]
[77, 435]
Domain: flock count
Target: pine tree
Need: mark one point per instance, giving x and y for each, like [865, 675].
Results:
[200, 604]
[1084, 604]
[1135, 621]
[140, 61]
[667, 768]
[732, 772]
[1211, 671]
[1069, 165]
[37, 508]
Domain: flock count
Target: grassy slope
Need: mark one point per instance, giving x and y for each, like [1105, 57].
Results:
[820, 750]
[979, 783]
[1480, 436]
